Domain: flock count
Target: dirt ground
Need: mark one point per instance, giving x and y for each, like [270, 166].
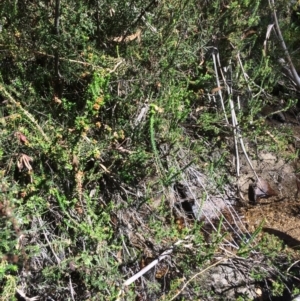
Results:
[280, 213]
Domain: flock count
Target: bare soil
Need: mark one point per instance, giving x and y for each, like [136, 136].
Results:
[280, 214]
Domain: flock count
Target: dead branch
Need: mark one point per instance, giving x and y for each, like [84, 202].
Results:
[293, 75]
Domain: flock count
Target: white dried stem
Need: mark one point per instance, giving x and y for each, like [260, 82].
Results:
[116, 66]
[243, 70]
[229, 88]
[143, 112]
[235, 136]
[49, 244]
[268, 33]
[71, 289]
[149, 267]
[240, 138]
[23, 295]
[233, 117]
[218, 85]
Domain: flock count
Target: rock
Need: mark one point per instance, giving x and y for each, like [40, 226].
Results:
[227, 284]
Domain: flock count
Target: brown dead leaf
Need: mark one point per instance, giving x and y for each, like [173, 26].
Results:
[248, 33]
[75, 162]
[22, 138]
[215, 90]
[24, 161]
[57, 100]
[261, 189]
[129, 38]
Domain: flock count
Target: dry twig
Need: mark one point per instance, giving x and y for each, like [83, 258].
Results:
[149, 267]
[219, 85]
[195, 276]
[292, 73]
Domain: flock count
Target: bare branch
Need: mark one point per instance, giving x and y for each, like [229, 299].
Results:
[293, 73]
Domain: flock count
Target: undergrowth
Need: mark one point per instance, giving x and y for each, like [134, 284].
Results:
[116, 142]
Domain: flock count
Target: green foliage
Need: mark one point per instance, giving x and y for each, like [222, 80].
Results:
[95, 121]
[97, 93]
[246, 246]
[278, 288]
[9, 288]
